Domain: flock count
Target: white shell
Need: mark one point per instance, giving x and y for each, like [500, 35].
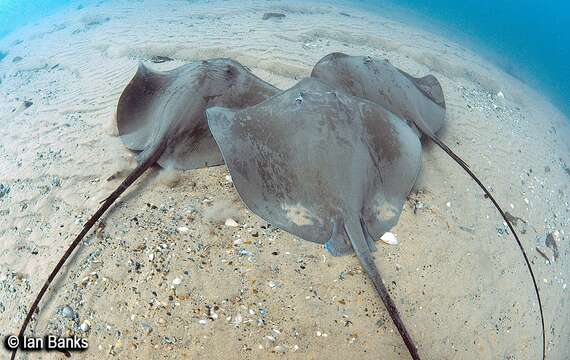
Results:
[231, 222]
[389, 238]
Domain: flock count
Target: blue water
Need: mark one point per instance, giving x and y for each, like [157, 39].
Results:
[16, 13]
[528, 39]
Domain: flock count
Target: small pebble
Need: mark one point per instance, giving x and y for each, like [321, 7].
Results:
[177, 281]
[68, 312]
[183, 229]
[146, 328]
[84, 327]
[244, 252]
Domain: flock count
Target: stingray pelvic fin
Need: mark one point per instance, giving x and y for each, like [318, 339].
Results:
[129, 180]
[465, 167]
[356, 234]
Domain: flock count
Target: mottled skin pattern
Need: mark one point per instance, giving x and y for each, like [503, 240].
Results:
[325, 166]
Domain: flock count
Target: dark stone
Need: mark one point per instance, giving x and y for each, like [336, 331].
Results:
[160, 59]
[551, 243]
[28, 103]
[17, 59]
[98, 22]
[270, 15]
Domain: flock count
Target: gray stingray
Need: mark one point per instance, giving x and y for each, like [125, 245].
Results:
[419, 101]
[325, 166]
[164, 111]
[160, 114]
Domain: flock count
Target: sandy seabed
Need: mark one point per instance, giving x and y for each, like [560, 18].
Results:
[162, 277]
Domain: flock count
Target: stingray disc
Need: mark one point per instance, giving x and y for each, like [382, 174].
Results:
[310, 157]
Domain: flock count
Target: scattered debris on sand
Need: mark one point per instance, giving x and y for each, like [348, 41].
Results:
[514, 219]
[547, 246]
[4, 190]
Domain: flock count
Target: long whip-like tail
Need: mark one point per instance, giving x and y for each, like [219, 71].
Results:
[356, 235]
[134, 175]
[465, 167]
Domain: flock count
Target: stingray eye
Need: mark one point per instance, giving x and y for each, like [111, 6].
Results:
[230, 71]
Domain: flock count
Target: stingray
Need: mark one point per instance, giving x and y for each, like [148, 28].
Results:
[160, 115]
[323, 165]
[419, 101]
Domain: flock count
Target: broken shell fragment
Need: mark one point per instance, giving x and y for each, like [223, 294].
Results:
[231, 222]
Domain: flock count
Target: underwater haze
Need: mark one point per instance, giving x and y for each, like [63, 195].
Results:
[16, 13]
[528, 39]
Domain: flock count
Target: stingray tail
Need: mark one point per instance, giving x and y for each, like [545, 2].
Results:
[465, 167]
[356, 234]
[134, 175]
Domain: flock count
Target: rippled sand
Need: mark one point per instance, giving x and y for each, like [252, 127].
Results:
[252, 291]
